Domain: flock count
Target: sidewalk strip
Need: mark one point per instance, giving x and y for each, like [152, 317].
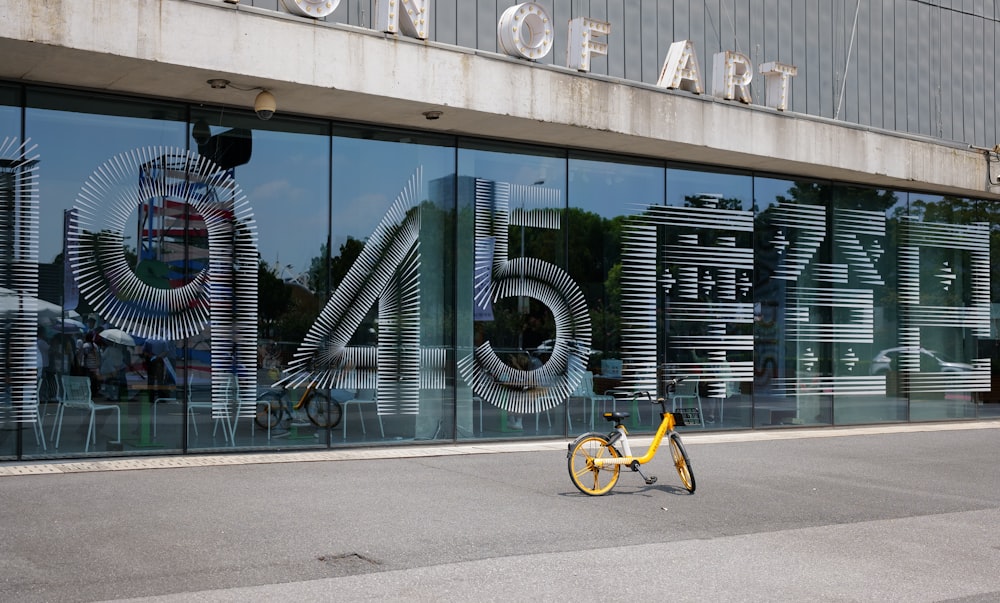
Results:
[465, 448]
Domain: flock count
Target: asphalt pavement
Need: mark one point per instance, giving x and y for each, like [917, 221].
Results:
[876, 513]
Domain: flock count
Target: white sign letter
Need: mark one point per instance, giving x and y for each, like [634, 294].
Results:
[316, 9]
[732, 70]
[414, 12]
[680, 69]
[525, 31]
[581, 42]
[776, 84]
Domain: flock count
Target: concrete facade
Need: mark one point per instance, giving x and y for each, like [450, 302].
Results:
[170, 48]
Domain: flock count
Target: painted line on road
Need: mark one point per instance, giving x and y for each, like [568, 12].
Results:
[465, 448]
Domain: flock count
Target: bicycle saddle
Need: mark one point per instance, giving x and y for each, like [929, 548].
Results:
[616, 416]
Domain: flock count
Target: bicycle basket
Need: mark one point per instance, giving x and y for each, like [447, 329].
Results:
[684, 417]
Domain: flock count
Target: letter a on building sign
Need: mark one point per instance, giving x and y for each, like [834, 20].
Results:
[525, 31]
[680, 69]
[582, 44]
[732, 72]
[407, 16]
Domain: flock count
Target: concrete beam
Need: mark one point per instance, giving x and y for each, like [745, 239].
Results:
[169, 48]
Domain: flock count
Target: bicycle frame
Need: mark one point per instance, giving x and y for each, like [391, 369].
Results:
[595, 460]
[620, 436]
[303, 397]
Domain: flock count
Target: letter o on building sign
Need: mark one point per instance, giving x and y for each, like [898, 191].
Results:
[311, 8]
[525, 31]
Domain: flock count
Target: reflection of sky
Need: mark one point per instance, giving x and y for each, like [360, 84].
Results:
[682, 184]
[613, 189]
[286, 182]
[71, 146]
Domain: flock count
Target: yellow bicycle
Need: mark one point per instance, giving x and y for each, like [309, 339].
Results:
[595, 459]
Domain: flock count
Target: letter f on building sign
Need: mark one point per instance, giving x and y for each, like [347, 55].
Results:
[582, 44]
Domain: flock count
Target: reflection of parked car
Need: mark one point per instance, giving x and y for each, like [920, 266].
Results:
[930, 361]
[544, 349]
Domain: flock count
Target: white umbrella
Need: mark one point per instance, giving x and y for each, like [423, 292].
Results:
[68, 325]
[11, 301]
[116, 336]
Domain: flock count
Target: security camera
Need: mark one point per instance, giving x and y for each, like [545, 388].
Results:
[265, 105]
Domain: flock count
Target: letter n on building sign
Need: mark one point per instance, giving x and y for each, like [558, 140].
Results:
[407, 16]
[582, 45]
[680, 69]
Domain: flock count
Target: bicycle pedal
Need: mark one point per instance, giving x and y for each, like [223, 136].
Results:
[650, 480]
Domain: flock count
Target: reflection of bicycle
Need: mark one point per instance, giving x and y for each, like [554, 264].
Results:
[595, 459]
[275, 407]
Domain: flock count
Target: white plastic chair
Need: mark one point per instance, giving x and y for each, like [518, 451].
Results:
[362, 397]
[39, 430]
[685, 394]
[192, 406]
[585, 390]
[76, 394]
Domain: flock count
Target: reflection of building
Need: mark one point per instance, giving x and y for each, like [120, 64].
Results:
[786, 223]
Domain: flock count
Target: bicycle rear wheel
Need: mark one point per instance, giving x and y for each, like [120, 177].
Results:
[587, 477]
[269, 410]
[681, 462]
[322, 411]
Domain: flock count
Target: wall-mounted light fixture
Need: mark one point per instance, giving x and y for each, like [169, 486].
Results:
[433, 114]
[264, 105]
[992, 163]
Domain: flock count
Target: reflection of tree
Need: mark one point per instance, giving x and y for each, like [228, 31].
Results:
[324, 281]
[955, 210]
[273, 299]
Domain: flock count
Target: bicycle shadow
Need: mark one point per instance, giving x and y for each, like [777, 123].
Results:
[638, 489]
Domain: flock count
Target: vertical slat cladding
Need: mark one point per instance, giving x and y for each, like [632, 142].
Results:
[925, 67]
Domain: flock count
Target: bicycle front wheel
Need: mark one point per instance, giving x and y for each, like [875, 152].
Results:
[681, 462]
[588, 477]
[269, 410]
[322, 411]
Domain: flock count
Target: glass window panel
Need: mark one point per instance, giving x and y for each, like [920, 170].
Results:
[10, 136]
[604, 195]
[518, 201]
[794, 302]
[76, 135]
[944, 276]
[707, 244]
[989, 402]
[865, 321]
[282, 166]
[390, 274]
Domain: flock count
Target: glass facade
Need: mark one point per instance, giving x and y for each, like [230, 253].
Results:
[216, 282]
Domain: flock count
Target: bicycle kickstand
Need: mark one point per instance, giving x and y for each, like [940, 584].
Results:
[649, 480]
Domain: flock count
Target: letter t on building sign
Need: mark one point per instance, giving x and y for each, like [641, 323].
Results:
[776, 77]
